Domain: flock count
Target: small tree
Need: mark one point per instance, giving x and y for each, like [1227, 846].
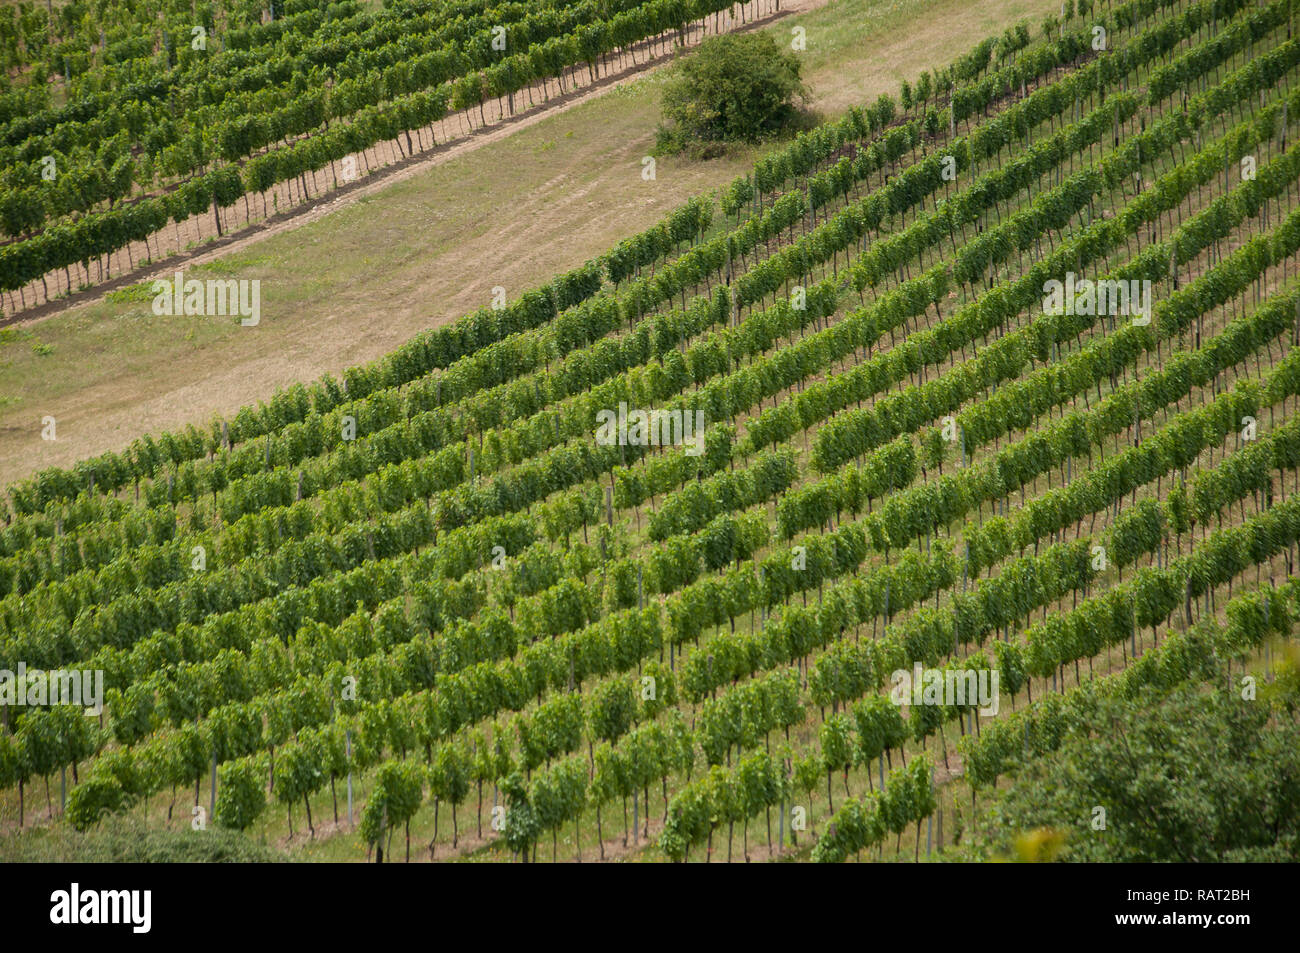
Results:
[14, 767]
[734, 88]
[243, 794]
[522, 823]
[449, 780]
[93, 798]
[299, 777]
[398, 792]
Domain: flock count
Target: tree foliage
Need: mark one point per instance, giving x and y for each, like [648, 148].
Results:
[735, 87]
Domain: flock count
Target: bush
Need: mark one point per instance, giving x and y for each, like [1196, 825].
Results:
[243, 795]
[93, 798]
[734, 88]
[123, 839]
[1191, 776]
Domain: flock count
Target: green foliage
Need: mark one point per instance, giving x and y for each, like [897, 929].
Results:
[132, 293]
[1194, 776]
[129, 840]
[398, 791]
[837, 743]
[522, 822]
[242, 794]
[371, 559]
[860, 823]
[449, 775]
[92, 799]
[299, 771]
[734, 88]
[611, 710]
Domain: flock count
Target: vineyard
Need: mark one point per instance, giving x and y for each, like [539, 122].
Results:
[986, 383]
[149, 127]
